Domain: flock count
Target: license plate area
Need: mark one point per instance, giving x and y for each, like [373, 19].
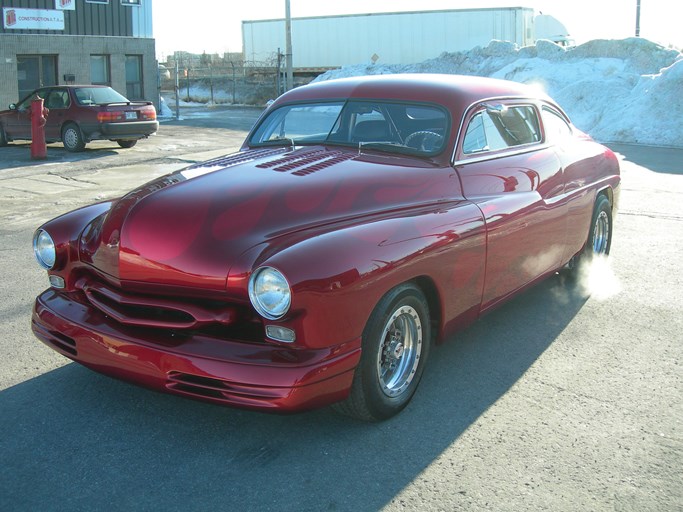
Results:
[131, 115]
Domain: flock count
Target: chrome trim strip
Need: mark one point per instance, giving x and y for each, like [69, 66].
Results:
[516, 150]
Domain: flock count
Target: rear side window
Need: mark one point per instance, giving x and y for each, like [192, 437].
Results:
[58, 98]
[501, 127]
[556, 128]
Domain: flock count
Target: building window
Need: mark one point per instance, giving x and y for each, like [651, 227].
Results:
[134, 77]
[99, 70]
[35, 71]
[130, 2]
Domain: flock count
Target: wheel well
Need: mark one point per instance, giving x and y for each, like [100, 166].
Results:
[609, 194]
[427, 286]
[67, 123]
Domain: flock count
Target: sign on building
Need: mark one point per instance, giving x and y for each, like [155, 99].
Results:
[65, 5]
[32, 19]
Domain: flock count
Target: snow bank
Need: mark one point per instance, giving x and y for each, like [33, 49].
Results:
[628, 90]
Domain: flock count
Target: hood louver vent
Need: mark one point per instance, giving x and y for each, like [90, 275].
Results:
[307, 163]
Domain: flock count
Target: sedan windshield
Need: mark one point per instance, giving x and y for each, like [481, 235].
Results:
[98, 96]
[411, 128]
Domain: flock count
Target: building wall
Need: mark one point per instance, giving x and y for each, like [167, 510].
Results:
[91, 19]
[73, 57]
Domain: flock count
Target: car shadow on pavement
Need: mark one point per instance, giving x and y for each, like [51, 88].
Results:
[664, 160]
[19, 154]
[75, 440]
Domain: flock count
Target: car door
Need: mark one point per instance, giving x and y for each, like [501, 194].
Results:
[57, 102]
[18, 121]
[517, 182]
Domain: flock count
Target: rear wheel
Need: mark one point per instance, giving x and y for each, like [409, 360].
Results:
[395, 346]
[126, 143]
[72, 138]
[599, 236]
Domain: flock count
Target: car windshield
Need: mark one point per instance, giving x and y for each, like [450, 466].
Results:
[410, 128]
[98, 96]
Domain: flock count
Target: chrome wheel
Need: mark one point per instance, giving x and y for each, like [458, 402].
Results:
[395, 348]
[601, 233]
[399, 351]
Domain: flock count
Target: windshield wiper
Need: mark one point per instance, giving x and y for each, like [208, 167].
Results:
[278, 142]
[388, 146]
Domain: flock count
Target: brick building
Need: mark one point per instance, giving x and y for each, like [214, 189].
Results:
[49, 42]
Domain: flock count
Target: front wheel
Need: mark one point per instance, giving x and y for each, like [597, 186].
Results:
[72, 138]
[395, 346]
[126, 143]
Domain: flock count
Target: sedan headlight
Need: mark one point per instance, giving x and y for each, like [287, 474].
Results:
[269, 293]
[44, 249]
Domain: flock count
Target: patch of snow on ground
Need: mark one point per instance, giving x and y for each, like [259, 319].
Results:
[628, 90]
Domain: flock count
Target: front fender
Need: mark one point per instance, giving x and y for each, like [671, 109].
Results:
[338, 277]
[66, 231]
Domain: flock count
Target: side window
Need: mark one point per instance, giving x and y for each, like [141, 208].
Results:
[556, 128]
[58, 98]
[503, 127]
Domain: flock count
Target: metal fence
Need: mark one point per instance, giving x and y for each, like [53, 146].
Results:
[229, 83]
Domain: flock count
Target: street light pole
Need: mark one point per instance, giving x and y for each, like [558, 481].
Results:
[288, 48]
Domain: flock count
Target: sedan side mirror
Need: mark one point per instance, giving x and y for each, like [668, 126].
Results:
[12, 106]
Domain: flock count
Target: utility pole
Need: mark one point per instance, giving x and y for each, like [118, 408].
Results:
[637, 18]
[288, 49]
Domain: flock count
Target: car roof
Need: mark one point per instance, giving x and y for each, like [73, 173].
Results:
[72, 86]
[456, 91]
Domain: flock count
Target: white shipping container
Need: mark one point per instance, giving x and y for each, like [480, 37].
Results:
[387, 38]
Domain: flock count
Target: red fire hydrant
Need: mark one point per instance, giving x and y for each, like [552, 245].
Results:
[38, 119]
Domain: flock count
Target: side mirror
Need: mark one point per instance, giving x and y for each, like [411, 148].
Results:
[12, 106]
[497, 108]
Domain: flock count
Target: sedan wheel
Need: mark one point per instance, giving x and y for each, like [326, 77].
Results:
[72, 138]
[126, 143]
[395, 346]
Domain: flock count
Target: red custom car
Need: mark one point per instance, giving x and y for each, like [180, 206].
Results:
[362, 220]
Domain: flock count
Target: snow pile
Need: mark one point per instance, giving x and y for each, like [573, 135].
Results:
[628, 90]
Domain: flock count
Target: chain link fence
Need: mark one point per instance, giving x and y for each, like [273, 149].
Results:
[211, 79]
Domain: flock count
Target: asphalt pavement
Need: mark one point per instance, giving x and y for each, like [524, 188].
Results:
[567, 398]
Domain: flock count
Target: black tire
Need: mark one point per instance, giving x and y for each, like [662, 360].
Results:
[599, 236]
[72, 138]
[126, 143]
[3, 138]
[395, 348]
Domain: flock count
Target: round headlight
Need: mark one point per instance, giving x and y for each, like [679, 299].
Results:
[44, 249]
[269, 293]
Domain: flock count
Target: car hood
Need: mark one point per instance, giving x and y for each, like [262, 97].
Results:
[190, 227]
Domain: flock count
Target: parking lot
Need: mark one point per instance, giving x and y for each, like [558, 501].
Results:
[567, 398]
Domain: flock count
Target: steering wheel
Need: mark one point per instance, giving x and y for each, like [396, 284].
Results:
[426, 140]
